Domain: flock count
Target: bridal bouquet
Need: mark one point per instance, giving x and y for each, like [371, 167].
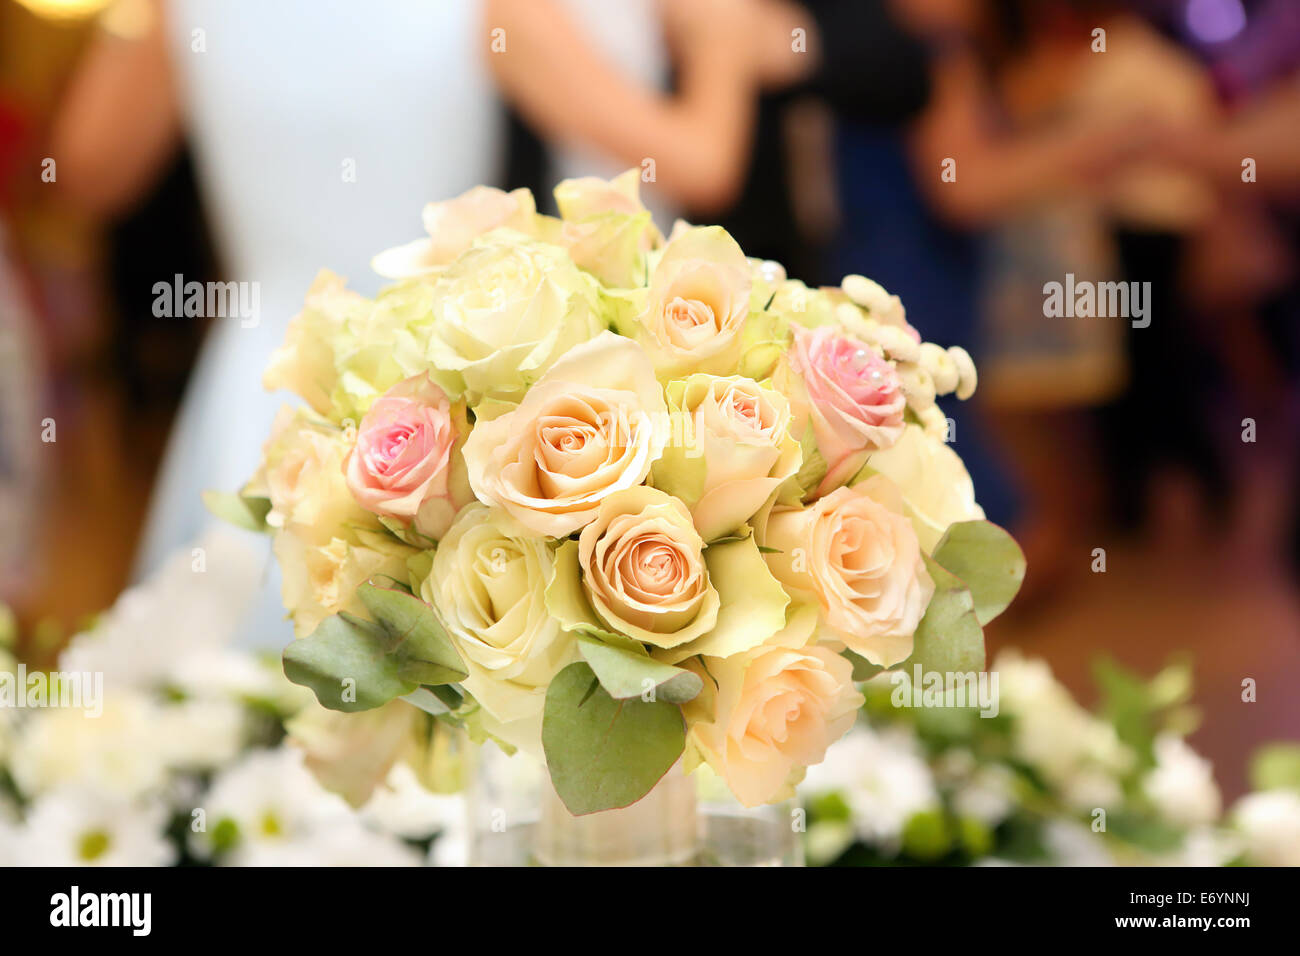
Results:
[619, 499]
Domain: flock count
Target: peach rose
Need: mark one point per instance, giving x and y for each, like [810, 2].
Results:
[731, 449]
[453, 225]
[302, 475]
[773, 712]
[851, 396]
[643, 569]
[591, 196]
[697, 305]
[857, 555]
[404, 463]
[591, 426]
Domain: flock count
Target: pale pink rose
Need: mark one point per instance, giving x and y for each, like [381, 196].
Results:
[775, 711]
[855, 552]
[453, 225]
[591, 196]
[405, 463]
[851, 396]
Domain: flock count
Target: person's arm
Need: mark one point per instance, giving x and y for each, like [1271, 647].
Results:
[118, 122]
[994, 173]
[1264, 131]
[699, 138]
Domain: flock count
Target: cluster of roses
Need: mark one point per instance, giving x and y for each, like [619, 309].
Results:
[577, 440]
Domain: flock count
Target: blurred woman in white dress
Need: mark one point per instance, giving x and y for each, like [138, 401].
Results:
[319, 129]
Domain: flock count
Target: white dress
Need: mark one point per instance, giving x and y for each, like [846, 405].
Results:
[320, 128]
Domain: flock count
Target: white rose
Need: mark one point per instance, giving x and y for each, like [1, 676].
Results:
[504, 312]
[488, 583]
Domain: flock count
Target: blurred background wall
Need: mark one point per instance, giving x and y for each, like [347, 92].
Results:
[963, 153]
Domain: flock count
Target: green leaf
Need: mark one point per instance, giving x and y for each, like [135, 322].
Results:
[1276, 766]
[987, 559]
[422, 648]
[238, 510]
[863, 669]
[949, 637]
[625, 674]
[346, 664]
[604, 753]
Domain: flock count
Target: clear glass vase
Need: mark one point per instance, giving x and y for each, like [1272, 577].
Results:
[516, 819]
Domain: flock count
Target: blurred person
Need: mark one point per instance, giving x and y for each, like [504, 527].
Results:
[1242, 268]
[21, 424]
[1029, 164]
[709, 94]
[315, 127]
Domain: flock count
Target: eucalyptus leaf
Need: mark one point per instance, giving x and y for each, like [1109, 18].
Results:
[625, 674]
[988, 560]
[949, 637]
[604, 753]
[243, 512]
[346, 663]
[863, 669]
[417, 640]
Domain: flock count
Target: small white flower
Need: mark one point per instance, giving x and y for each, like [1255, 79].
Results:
[198, 734]
[1269, 823]
[78, 827]
[268, 797]
[1181, 784]
[988, 796]
[346, 843]
[404, 807]
[117, 753]
[883, 777]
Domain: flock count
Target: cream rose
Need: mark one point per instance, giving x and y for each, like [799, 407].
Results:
[453, 225]
[772, 712]
[935, 485]
[696, 305]
[305, 363]
[503, 313]
[643, 569]
[302, 474]
[730, 450]
[591, 196]
[856, 553]
[593, 425]
[320, 580]
[488, 582]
